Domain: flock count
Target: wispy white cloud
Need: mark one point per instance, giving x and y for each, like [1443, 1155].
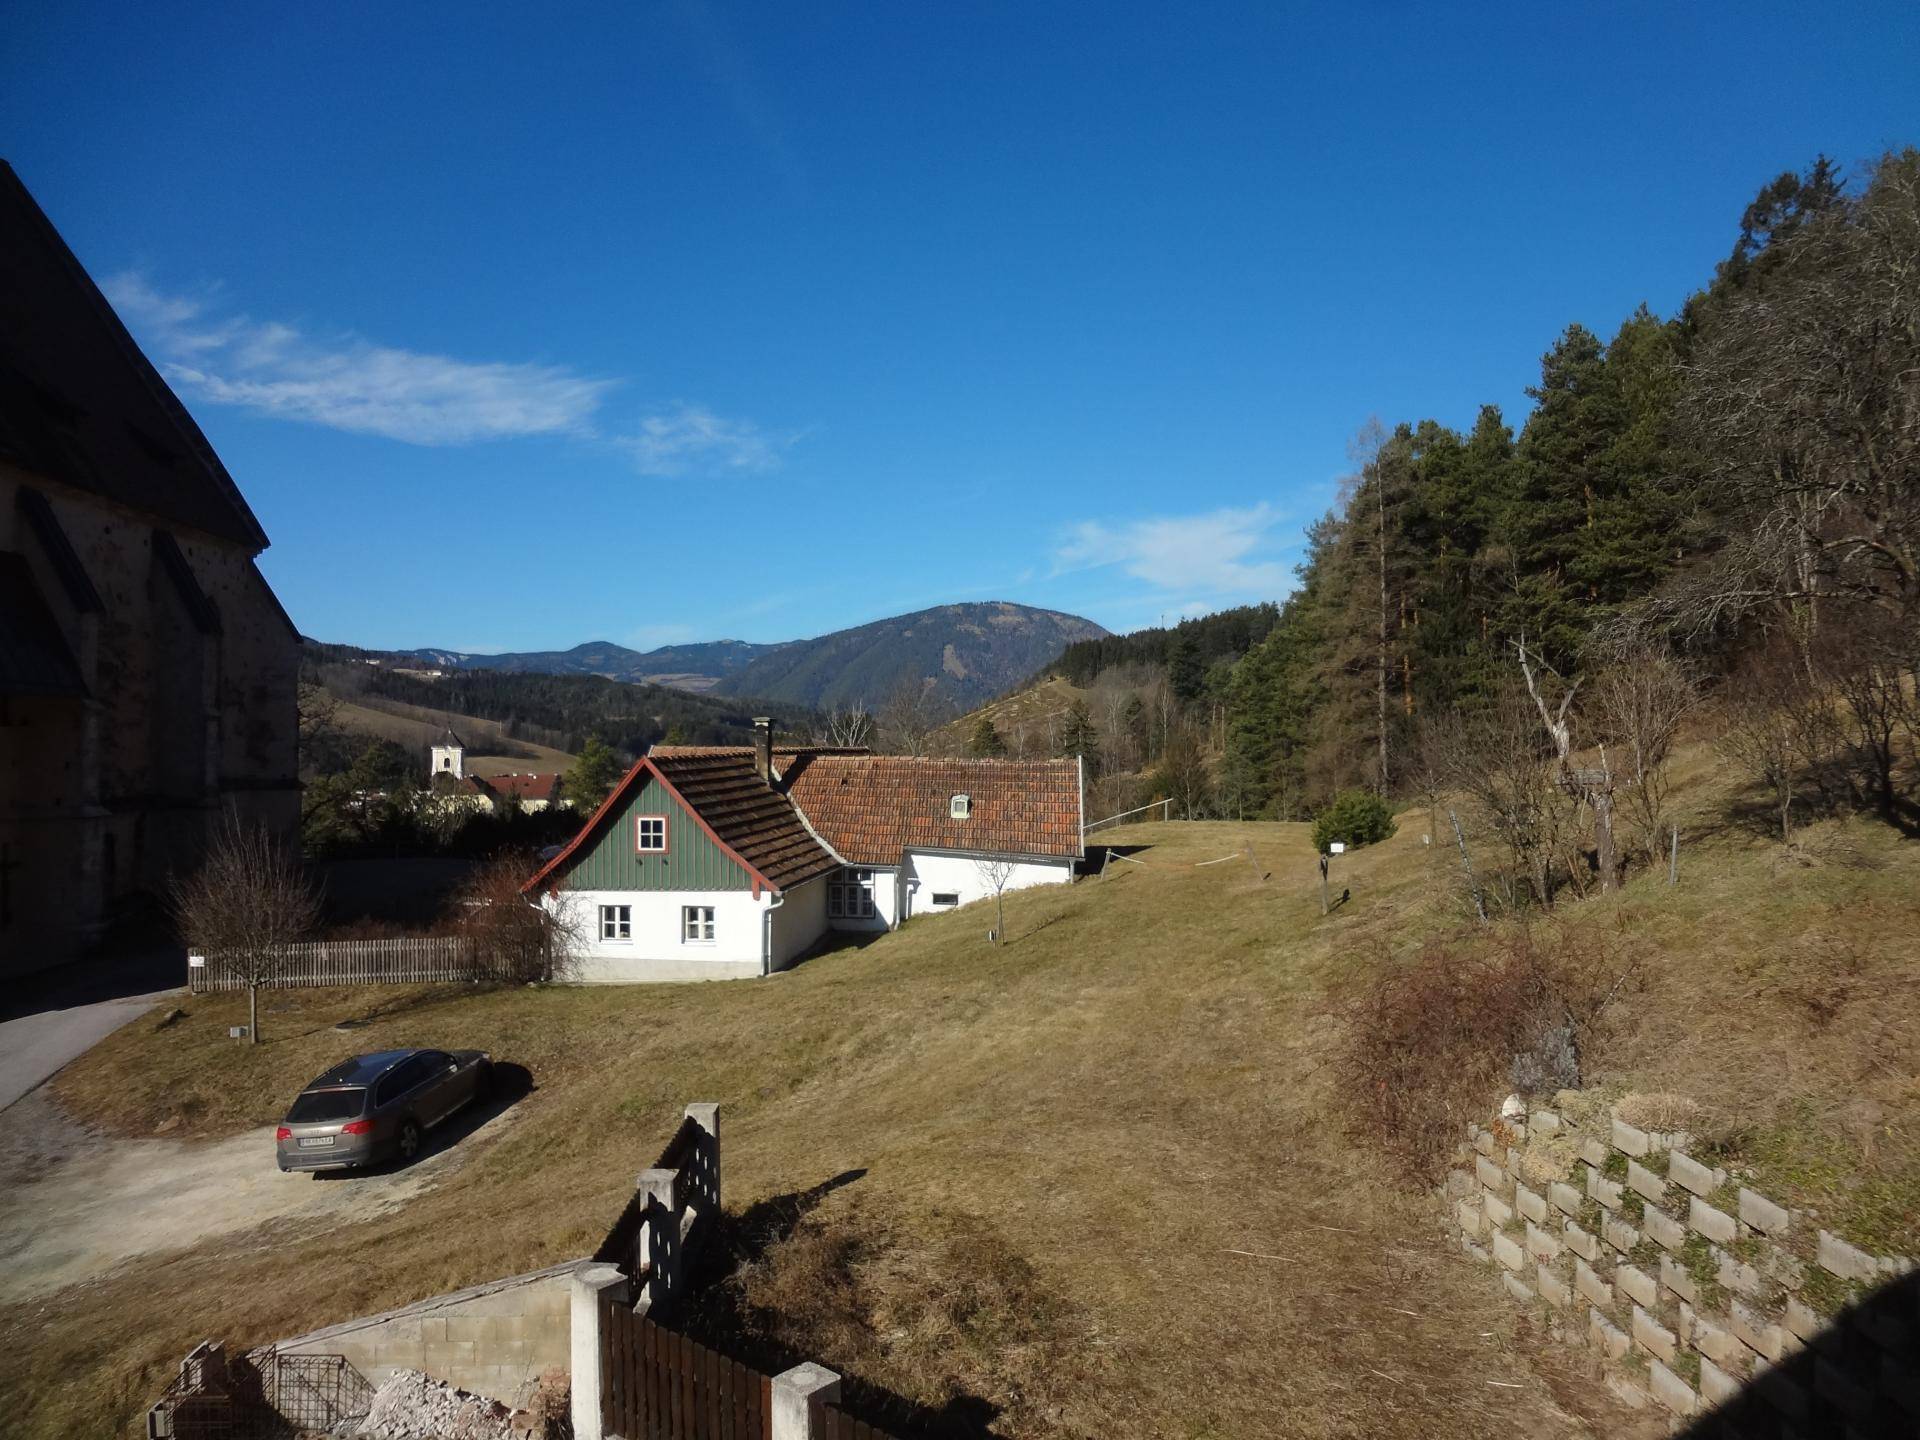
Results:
[1222, 551]
[691, 437]
[349, 383]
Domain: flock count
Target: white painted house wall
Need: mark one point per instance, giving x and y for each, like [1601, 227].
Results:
[798, 921]
[448, 760]
[929, 873]
[656, 950]
[746, 929]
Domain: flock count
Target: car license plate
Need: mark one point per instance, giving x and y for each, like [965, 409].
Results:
[315, 1142]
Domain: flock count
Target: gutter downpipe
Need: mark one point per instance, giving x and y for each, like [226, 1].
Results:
[776, 899]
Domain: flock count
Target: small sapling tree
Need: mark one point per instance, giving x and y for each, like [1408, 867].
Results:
[995, 874]
[245, 906]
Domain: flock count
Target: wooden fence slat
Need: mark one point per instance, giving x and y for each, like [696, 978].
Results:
[636, 1402]
[676, 1394]
[661, 1385]
[650, 1421]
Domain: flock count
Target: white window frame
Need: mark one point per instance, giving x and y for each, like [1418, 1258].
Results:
[960, 807]
[618, 919]
[850, 895]
[945, 899]
[640, 845]
[696, 925]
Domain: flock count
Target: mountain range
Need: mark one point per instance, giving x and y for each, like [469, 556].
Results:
[967, 653]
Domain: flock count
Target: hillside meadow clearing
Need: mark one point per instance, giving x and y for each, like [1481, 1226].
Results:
[1106, 1179]
[492, 751]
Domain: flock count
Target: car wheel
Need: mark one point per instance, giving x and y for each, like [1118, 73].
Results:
[409, 1144]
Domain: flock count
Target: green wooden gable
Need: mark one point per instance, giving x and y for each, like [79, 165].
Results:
[694, 860]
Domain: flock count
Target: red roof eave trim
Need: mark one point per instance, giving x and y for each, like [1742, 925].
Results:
[619, 794]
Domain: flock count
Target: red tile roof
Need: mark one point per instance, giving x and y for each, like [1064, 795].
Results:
[723, 787]
[870, 809]
[873, 808]
[522, 787]
[725, 793]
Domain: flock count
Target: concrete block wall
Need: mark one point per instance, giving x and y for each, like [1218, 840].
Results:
[495, 1339]
[1691, 1288]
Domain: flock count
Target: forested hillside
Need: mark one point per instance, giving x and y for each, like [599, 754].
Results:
[561, 711]
[1723, 504]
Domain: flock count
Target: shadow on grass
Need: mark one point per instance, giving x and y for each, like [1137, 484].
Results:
[715, 1312]
[509, 1085]
[1860, 1376]
[834, 942]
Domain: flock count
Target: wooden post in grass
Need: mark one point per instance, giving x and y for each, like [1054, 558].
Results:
[1473, 883]
[1673, 859]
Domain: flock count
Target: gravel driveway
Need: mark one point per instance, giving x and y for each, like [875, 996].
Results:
[76, 1204]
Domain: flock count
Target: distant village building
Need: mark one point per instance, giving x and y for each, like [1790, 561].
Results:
[531, 792]
[449, 756]
[453, 788]
[722, 862]
[147, 673]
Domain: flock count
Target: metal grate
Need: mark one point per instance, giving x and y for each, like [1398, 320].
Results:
[263, 1395]
[315, 1392]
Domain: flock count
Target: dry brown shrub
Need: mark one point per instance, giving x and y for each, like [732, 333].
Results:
[1431, 1044]
[515, 941]
[963, 1327]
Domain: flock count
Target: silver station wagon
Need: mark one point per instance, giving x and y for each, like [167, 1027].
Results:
[378, 1107]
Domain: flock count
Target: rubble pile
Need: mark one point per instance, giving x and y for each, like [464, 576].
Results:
[412, 1406]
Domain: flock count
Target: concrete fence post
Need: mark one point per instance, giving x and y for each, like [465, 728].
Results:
[657, 1250]
[794, 1392]
[706, 1163]
[591, 1283]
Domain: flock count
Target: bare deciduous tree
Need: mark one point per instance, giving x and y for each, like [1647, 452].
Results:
[514, 938]
[1639, 701]
[994, 874]
[1757, 737]
[912, 713]
[1498, 759]
[246, 904]
[1594, 787]
[844, 727]
[1801, 399]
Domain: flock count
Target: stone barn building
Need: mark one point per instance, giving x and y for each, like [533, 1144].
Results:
[147, 673]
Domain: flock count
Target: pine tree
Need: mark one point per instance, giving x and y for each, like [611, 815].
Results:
[592, 777]
[1079, 736]
[1186, 669]
[985, 740]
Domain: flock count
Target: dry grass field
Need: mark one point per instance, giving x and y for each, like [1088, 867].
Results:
[491, 751]
[1110, 1184]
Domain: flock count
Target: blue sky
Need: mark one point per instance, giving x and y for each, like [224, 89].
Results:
[526, 325]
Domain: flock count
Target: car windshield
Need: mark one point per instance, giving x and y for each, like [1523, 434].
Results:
[322, 1105]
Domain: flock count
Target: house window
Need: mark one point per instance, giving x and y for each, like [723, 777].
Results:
[945, 897]
[616, 922]
[850, 896]
[960, 807]
[650, 833]
[696, 924]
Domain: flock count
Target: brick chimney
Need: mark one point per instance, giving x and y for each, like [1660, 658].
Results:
[763, 747]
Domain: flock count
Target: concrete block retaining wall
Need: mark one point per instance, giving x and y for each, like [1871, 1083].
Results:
[1691, 1288]
[494, 1339]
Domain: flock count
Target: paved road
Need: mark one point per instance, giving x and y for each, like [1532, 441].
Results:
[34, 1046]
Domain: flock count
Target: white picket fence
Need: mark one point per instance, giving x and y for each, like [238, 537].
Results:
[405, 960]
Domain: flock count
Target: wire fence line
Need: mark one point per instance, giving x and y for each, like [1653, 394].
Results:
[1165, 807]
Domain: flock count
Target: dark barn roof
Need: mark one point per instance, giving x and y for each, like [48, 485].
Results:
[80, 404]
